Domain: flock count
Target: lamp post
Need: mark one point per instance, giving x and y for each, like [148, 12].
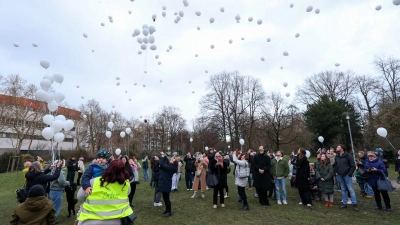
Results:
[351, 137]
[191, 140]
[241, 141]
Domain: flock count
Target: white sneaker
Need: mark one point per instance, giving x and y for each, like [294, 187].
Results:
[194, 195]
[279, 202]
[190, 189]
[215, 206]
[187, 189]
[222, 205]
[202, 195]
[284, 202]
[309, 205]
[300, 203]
[226, 195]
[157, 204]
[349, 201]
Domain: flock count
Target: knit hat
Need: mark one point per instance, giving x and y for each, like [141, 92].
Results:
[104, 153]
[378, 150]
[36, 190]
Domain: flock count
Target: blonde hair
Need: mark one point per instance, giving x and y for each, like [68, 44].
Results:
[36, 167]
[311, 166]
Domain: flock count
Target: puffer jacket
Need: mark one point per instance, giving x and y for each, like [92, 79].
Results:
[240, 164]
[36, 210]
[375, 175]
[326, 186]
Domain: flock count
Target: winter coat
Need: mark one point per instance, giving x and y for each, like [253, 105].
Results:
[36, 210]
[303, 174]
[71, 167]
[128, 168]
[375, 175]
[397, 164]
[156, 171]
[40, 178]
[135, 168]
[344, 164]
[220, 172]
[165, 179]
[325, 186]
[240, 164]
[60, 183]
[81, 166]
[331, 158]
[145, 163]
[263, 162]
[363, 161]
[199, 183]
[279, 168]
[94, 170]
[189, 164]
[383, 158]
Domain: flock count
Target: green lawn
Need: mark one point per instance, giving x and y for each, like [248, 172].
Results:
[199, 211]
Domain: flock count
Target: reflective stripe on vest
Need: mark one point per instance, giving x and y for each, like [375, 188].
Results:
[107, 202]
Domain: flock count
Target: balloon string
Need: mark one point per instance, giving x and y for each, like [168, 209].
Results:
[391, 144]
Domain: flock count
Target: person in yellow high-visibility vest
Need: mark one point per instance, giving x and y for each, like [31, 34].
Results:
[108, 202]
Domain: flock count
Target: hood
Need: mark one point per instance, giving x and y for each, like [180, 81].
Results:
[36, 203]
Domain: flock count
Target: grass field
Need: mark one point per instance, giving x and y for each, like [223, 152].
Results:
[199, 211]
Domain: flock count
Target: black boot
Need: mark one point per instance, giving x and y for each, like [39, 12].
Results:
[246, 207]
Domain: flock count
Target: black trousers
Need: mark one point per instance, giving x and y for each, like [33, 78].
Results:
[242, 194]
[385, 195]
[133, 190]
[167, 202]
[305, 197]
[220, 189]
[227, 187]
[78, 181]
[272, 190]
[262, 196]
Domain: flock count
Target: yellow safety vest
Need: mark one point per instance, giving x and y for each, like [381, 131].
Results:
[107, 202]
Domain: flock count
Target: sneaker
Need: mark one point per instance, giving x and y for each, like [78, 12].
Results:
[300, 203]
[348, 201]
[284, 202]
[355, 208]
[214, 206]
[256, 195]
[190, 189]
[279, 202]
[222, 205]
[187, 189]
[309, 205]
[226, 195]
[157, 204]
[202, 195]
[194, 195]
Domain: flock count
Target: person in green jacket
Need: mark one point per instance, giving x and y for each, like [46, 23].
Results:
[325, 179]
[280, 171]
[57, 190]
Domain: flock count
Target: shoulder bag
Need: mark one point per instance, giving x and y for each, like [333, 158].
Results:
[384, 184]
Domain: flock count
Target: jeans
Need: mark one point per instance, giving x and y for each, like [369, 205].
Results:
[249, 181]
[189, 180]
[157, 194]
[280, 184]
[145, 174]
[368, 189]
[346, 184]
[385, 196]
[175, 181]
[56, 197]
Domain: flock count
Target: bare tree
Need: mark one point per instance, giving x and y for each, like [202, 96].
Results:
[389, 68]
[335, 85]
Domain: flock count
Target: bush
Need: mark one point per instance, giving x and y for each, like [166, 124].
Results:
[4, 159]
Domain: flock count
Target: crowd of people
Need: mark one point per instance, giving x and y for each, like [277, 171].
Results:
[108, 185]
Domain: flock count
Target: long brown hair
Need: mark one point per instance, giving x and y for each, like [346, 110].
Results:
[302, 153]
[324, 162]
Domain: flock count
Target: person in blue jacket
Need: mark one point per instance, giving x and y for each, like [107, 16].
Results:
[376, 170]
[95, 169]
[167, 170]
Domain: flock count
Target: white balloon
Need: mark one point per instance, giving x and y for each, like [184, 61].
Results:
[309, 9]
[60, 117]
[178, 18]
[102, 24]
[59, 97]
[317, 11]
[164, 13]
[117, 78]
[285, 53]
[164, 7]
[156, 56]
[297, 35]
[110, 125]
[193, 92]
[85, 35]
[237, 21]
[44, 63]
[212, 46]
[130, 12]
[288, 94]
[49, 77]
[118, 83]
[139, 40]
[159, 63]
[145, 26]
[58, 77]
[128, 130]
[59, 137]
[337, 64]
[285, 84]
[152, 29]
[321, 139]
[378, 7]
[212, 20]
[222, 9]
[196, 55]
[111, 21]
[291, 5]
[110, 17]
[118, 151]
[122, 134]
[242, 38]
[136, 32]
[48, 119]
[135, 84]
[170, 47]
[82, 97]
[262, 59]
[68, 125]
[49, 97]
[230, 41]
[146, 40]
[77, 86]
[198, 28]
[48, 133]
[143, 47]
[57, 125]
[237, 17]
[381, 132]
[181, 13]
[281, 67]
[190, 81]
[241, 141]
[153, 47]
[167, 50]
[41, 95]
[154, 16]
[308, 154]
[16, 44]
[139, 52]
[45, 84]
[396, 2]
[108, 134]
[144, 85]
[259, 22]
[151, 39]
[34, 44]
[145, 31]
[268, 39]
[250, 19]
[206, 71]
[198, 13]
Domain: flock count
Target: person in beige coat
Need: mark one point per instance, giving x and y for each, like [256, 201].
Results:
[200, 181]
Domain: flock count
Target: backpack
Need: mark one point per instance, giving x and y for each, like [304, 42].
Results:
[21, 195]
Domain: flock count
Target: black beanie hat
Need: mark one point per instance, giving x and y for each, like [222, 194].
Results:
[36, 190]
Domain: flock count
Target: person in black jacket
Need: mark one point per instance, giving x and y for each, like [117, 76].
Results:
[155, 168]
[36, 175]
[397, 166]
[190, 168]
[262, 176]
[72, 166]
[128, 168]
[302, 177]
[218, 166]
[167, 170]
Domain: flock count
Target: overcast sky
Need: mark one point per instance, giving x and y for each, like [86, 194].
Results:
[347, 32]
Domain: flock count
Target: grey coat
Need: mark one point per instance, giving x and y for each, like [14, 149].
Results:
[241, 182]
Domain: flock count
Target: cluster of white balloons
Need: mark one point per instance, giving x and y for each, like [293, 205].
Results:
[185, 3]
[57, 124]
[148, 38]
